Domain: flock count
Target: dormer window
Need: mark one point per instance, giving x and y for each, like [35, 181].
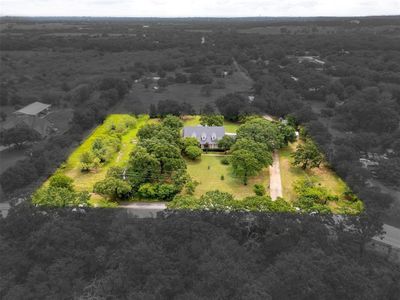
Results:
[203, 137]
[213, 137]
[194, 135]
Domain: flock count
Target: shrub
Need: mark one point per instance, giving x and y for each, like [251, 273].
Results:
[226, 142]
[113, 187]
[184, 202]
[193, 152]
[148, 190]
[190, 141]
[222, 177]
[60, 197]
[61, 181]
[225, 161]
[259, 189]
[166, 191]
[217, 200]
[89, 161]
[191, 187]
[212, 120]
[349, 195]
[312, 197]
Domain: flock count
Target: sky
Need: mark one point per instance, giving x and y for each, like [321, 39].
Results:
[198, 8]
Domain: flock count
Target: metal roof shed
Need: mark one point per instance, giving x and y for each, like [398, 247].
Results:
[33, 109]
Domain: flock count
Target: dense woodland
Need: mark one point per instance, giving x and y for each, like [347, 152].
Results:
[349, 104]
[106, 254]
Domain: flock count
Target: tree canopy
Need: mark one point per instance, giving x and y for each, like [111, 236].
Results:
[244, 164]
[212, 120]
[18, 136]
[262, 131]
[307, 155]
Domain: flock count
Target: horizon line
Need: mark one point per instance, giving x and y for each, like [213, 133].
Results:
[198, 17]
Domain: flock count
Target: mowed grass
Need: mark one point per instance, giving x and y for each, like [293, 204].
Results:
[229, 126]
[84, 181]
[208, 173]
[324, 176]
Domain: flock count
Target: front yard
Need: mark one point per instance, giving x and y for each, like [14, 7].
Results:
[208, 172]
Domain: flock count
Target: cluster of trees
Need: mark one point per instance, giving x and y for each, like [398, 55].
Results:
[156, 168]
[101, 151]
[191, 148]
[223, 201]
[113, 186]
[104, 146]
[18, 136]
[307, 155]
[97, 254]
[60, 192]
[255, 141]
[95, 109]
[233, 106]
[312, 197]
[170, 107]
[212, 120]
[41, 163]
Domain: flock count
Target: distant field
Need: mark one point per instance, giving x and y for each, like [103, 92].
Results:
[208, 173]
[326, 177]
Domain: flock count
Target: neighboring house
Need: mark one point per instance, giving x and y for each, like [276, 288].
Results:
[32, 116]
[208, 136]
[36, 109]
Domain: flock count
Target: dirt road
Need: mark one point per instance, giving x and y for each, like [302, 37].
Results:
[275, 184]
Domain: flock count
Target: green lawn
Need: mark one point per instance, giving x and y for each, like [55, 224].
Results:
[208, 173]
[86, 181]
[324, 175]
[195, 120]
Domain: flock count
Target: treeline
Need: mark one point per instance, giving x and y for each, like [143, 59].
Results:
[100, 254]
[153, 40]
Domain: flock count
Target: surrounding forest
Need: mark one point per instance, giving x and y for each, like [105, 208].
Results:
[336, 79]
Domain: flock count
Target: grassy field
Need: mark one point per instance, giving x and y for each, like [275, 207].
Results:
[195, 120]
[85, 181]
[208, 173]
[324, 176]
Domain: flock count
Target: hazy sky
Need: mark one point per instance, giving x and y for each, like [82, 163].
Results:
[197, 8]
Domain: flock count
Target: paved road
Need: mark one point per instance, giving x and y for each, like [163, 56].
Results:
[275, 184]
[143, 209]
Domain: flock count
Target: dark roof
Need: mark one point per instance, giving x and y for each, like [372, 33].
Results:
[205, 134]
[33, 109]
